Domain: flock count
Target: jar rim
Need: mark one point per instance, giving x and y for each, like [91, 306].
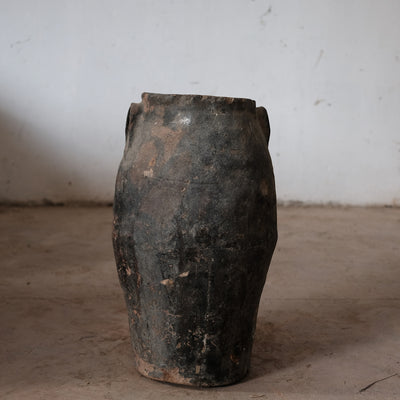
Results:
[161, 98]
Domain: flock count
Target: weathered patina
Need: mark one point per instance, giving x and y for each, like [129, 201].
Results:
[194, 233]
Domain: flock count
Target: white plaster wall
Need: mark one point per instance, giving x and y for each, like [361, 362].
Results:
[327, 71]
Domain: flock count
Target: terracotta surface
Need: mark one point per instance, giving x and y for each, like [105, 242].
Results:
[194, 233]
[328, 323]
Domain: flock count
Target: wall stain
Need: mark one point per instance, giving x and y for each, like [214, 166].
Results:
[262, 20]
[319, 101]
[320, 55]
[20, 42]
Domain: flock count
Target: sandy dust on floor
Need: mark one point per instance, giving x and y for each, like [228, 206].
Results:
[328, 324]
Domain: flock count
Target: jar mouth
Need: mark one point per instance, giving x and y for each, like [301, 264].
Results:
[195, 99]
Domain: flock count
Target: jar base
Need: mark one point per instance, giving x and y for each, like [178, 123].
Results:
[175, 377]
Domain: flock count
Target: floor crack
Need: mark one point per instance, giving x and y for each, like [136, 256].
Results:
[373, 383]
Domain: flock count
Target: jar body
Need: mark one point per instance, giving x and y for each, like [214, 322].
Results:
[194, 233]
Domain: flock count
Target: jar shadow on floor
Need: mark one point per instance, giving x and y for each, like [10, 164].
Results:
[341, 309]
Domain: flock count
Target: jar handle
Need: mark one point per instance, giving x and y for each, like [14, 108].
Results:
[133, 112]
[262, 117]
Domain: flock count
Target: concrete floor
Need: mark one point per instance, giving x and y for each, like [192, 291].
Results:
[328, 325]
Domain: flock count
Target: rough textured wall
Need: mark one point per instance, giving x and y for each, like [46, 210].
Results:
[326, 71]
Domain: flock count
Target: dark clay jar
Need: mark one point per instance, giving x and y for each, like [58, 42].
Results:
[194, 232]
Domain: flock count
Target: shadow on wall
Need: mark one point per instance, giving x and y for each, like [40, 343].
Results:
[33, 170]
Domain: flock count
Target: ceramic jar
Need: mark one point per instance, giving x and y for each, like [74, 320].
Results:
[194, 233]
